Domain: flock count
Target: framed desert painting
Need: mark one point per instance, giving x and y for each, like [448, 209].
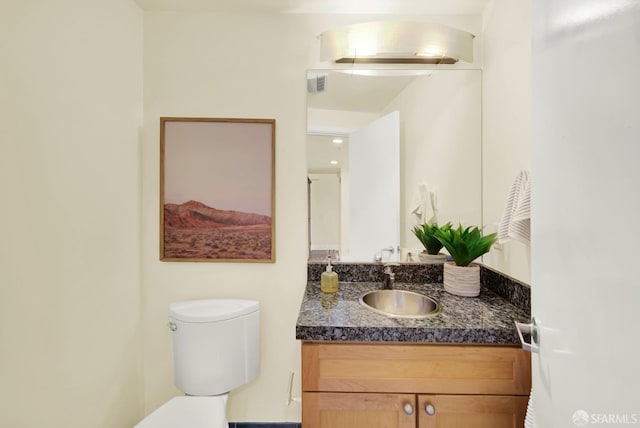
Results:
[217, 190]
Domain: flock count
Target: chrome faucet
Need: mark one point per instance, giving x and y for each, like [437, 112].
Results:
[379, 256]
[388, 277]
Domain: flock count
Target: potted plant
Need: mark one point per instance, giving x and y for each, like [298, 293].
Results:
[426, 234]
[462, 277]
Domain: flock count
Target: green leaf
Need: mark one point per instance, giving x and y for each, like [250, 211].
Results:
[426, 234]
[465, 245]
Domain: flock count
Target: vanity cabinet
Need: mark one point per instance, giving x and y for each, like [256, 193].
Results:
[477, 411]
[342, 410]
[399, 385]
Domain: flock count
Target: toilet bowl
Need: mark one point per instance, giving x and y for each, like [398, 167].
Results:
[216, 348]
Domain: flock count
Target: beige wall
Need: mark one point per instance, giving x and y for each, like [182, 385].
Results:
[324, 202]
[212, 65]
[506, 121]
[441, 145]
[70, 313]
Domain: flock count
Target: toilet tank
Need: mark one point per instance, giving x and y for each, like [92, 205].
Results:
[216, 344]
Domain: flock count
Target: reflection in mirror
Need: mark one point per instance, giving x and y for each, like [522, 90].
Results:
[431, 173]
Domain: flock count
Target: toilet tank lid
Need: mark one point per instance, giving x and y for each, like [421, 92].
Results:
[212, 309]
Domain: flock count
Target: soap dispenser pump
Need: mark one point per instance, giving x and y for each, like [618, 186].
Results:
[329, 279]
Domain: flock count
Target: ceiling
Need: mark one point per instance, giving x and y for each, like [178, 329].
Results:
[369, 94]
[427, 7]
[321, 151]
[348, 92]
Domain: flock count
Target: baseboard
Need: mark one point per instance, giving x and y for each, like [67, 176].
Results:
[265, 425]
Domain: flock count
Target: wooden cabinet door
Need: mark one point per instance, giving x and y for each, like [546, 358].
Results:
[477, 411]
[358, 410]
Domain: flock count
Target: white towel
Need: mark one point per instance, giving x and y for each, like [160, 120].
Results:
[425, 204]
[530, 417]
[516, 218]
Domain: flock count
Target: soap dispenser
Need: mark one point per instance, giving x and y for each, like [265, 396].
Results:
[329, 279]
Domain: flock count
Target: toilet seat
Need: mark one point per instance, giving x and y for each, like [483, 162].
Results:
[192, 412]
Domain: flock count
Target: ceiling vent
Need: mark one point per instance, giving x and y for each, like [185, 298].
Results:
[316, 82]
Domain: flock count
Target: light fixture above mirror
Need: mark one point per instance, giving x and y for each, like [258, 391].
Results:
[402, 42]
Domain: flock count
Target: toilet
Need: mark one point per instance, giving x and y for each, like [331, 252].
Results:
[216, 348]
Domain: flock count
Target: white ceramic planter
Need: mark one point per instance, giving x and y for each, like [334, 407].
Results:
[432, 258]
[462, 280]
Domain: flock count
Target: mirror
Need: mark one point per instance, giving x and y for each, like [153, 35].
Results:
[386, 150]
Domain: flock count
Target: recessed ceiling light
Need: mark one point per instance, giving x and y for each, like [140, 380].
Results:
[334, 162]
[337, 141]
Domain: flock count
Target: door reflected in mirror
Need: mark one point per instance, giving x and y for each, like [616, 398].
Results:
[375, 141]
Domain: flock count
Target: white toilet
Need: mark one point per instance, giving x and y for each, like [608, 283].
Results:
[216, 348]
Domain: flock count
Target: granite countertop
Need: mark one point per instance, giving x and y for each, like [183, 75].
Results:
[486, 319]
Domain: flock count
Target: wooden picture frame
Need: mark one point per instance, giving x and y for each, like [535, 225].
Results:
[217, 190]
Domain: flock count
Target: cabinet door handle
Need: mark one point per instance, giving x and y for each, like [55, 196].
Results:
[429, 409]
[408, 409]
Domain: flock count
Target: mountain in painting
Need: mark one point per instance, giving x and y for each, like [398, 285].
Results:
[195, 231]
[194, 214]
